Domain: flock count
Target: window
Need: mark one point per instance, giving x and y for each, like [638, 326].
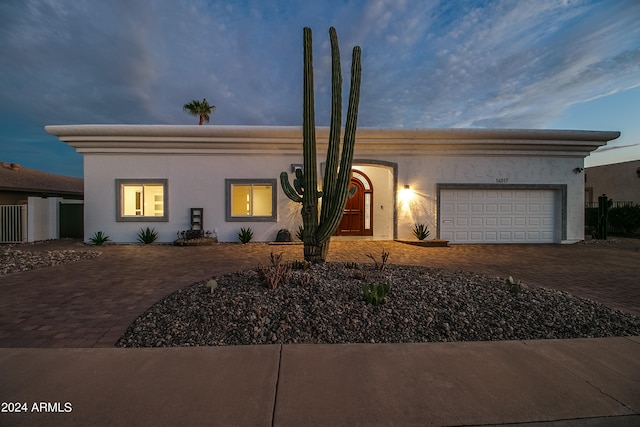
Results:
[141, 200]
[251, 199]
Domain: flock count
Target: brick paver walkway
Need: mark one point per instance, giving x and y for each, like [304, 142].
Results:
[90, 303]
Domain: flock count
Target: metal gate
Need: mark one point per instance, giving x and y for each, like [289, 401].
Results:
[71, 220]
[13, 223]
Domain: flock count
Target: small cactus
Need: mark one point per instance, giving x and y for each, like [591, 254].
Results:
[513, 286]
[375, 293]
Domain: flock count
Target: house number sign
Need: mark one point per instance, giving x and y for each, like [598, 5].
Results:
[502, 180]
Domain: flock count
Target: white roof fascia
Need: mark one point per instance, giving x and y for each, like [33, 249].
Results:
[279, 140]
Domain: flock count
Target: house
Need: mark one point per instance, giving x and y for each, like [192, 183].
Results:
[619, 181]
[36, 205]
[467, 185]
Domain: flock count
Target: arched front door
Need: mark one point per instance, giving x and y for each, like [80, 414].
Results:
[357, 219]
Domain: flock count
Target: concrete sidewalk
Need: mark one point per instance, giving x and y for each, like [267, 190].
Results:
[593, 382]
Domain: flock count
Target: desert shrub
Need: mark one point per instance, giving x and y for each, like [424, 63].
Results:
[379, 266]
[277, 274]
[625, 218]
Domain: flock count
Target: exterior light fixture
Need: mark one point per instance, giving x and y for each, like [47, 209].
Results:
[578, 170]
[405, 194]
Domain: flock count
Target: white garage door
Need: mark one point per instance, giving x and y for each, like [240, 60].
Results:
[498, 216]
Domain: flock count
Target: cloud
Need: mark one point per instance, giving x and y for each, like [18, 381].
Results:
[425, 63]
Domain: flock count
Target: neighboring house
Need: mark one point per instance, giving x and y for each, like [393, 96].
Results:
[619, 181]
[467, 185]
[36, 205]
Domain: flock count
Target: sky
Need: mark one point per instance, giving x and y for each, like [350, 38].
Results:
[544, 64]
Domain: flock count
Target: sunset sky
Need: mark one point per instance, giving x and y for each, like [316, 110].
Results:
[426, 64]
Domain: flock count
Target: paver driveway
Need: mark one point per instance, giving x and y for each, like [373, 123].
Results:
[91, 303]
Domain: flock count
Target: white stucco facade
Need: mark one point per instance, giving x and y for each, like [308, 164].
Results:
[196, 161]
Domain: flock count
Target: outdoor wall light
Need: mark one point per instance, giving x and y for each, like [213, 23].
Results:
[406, 194]
[578, 170]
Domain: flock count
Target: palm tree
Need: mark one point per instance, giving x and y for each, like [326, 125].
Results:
[198, 108]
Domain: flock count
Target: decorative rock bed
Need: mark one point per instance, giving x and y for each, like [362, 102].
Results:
[324, 304]
[202, 241]
[13, 260]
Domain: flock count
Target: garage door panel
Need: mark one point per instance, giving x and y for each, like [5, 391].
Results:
[498, 216]
[447, 208]
[476, 236]
[519, 236]
[488, 236]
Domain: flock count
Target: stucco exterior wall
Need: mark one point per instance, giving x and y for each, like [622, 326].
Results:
[199, 181]
[424, 173]
[195, 161]
[193, 182]
[619, 181]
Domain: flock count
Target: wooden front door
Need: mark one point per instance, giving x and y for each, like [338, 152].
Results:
[352, 223]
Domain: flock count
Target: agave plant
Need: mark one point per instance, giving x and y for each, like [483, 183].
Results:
[245, 235]
[147, 236]
[99, 238]
[421, 231]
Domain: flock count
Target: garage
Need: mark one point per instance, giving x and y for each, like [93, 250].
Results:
[500, 215]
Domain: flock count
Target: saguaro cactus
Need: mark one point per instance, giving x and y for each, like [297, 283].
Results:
[337, 177]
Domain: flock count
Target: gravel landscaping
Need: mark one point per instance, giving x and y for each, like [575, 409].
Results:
[325, 304]
[13, 260]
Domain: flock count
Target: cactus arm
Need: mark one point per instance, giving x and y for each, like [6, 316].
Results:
[298, 181]
[344, 175]
[310, 183]
[338, 202]
[288, 190]
[333, 147]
